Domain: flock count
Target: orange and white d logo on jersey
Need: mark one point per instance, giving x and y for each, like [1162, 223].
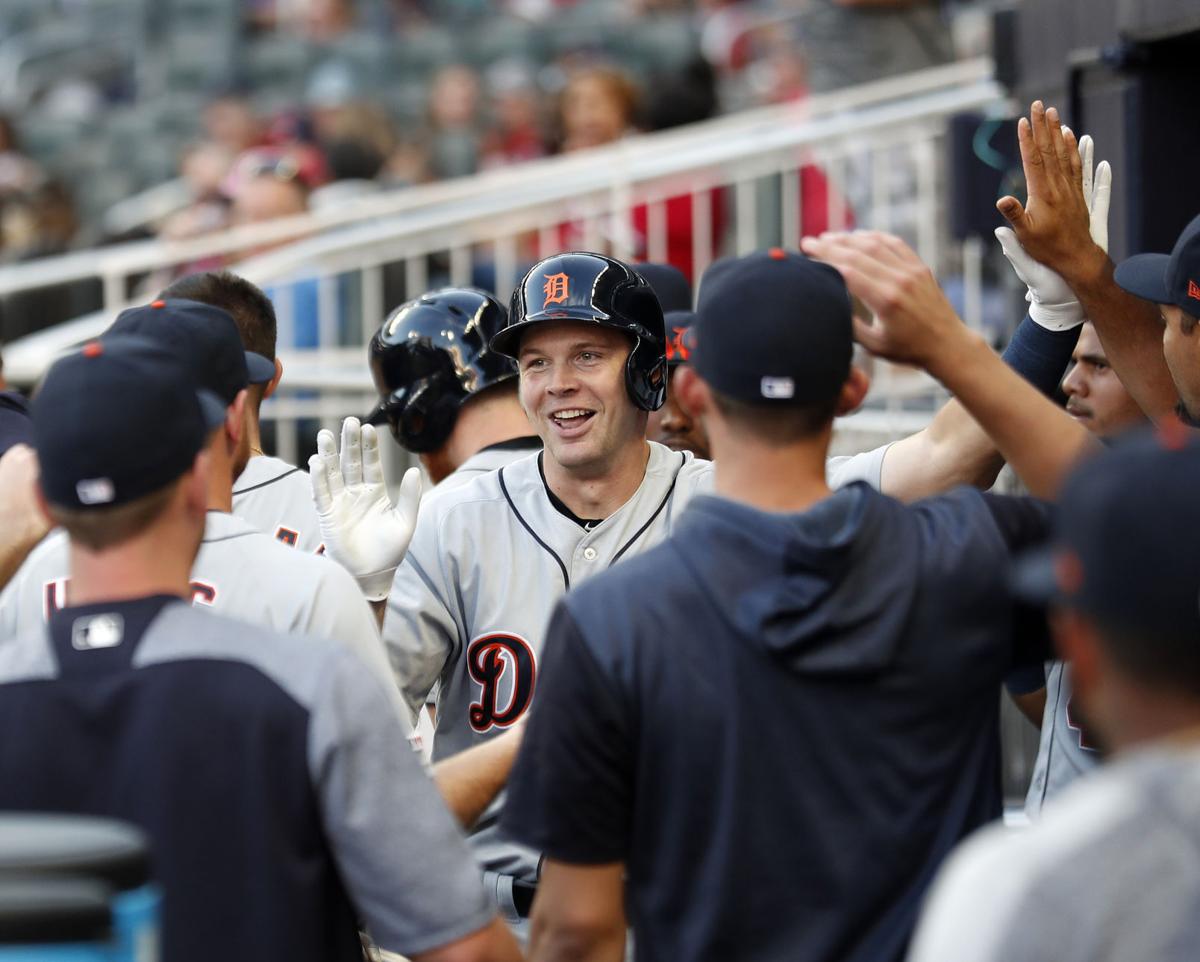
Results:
[555, 289]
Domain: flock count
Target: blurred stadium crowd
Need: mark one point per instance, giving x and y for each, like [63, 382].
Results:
[104, 99]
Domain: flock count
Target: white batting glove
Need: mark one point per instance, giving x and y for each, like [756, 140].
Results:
[362, 530]
[1052, 303]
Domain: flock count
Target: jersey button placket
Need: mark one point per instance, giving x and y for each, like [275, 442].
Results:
[589, 553]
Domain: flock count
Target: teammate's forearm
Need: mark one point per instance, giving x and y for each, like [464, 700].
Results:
[1039, 439]
[1130, 331]
[471, 780]
[954, 449]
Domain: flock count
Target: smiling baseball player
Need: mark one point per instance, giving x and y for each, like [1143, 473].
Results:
[469, 604]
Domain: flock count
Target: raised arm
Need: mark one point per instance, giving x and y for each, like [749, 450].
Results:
[1053, 226]
[22, 523]
[954, 449]
[915, 324]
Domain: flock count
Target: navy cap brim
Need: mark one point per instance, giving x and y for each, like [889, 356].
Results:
[1032, 578]
[212, 408]
[259, 370]
[1145, 276]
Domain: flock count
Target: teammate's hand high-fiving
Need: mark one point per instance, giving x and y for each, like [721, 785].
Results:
[362, 530]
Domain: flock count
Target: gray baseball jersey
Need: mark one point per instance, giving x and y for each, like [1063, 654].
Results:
[335, 745]
[276, 498]
[239, 572]
[487, 563]
[488, 460]
[1064, 751]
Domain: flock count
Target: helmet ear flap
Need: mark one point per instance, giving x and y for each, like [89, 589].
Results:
[647, 386]
[422, 422]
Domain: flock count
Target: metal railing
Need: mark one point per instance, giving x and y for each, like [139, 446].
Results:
[878, 148]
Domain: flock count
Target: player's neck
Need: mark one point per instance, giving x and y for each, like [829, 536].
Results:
[778, 478]
[483, 421]
[148, 564]
[1150, 717]
[220, 481]
[597, 496]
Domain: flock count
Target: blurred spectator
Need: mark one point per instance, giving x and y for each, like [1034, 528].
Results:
[856, 41]
[326, 20]
[453, 122]
[600, 105]
[353, 166]
[18, 173]
[517, 132]
[332, 89]
[268, 185]
[231, 122]
[686, 97]
[204, 167]
[38, 221]
[597, 106]
[265, 186]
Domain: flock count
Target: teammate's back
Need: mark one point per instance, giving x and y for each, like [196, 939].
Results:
[851, 623]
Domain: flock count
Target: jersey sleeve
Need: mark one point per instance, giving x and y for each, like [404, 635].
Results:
[419, 631]
[867, 466]
[9, 600]
[403, 859]
[570, 792]
[972, 903]
[339, 611]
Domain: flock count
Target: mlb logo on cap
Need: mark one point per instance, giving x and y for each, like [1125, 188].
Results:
[95, 490]
[778, 388]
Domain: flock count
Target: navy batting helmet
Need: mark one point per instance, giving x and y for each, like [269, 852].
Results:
[595, 289]
[429, 356]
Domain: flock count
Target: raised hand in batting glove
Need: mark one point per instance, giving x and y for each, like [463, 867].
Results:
[1052, 303]
[362, 530]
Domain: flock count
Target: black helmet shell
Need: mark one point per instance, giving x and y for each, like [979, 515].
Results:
[430, 355]
[595, 289]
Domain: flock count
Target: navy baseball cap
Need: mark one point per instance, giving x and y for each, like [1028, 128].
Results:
[678, 323]
[773, 328]
[118, 420]
[205, 337]
[669, 284]
[1167, 278]
[1122, 549]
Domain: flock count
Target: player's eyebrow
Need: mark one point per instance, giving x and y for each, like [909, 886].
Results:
[1093, 359]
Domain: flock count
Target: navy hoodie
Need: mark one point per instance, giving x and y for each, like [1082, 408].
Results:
[780, 723]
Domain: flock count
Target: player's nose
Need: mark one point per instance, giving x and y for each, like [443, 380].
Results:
[562, 380]
[1074, 382]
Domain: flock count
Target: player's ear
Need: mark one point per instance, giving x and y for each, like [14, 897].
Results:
[274, 382]
[235, 419]
[691, 393]
[854, 391]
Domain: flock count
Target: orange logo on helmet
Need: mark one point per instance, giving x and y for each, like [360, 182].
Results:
[555, 289]
[1194, 290]
[676, 349]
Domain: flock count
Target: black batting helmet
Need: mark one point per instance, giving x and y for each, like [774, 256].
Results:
[595, 289]
[429, 356]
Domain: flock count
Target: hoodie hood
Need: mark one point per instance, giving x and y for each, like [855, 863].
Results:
[826, 591]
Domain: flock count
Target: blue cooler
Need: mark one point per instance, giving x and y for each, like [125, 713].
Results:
[112, 853]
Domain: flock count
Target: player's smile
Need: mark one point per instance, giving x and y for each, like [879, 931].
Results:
[572, 422]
